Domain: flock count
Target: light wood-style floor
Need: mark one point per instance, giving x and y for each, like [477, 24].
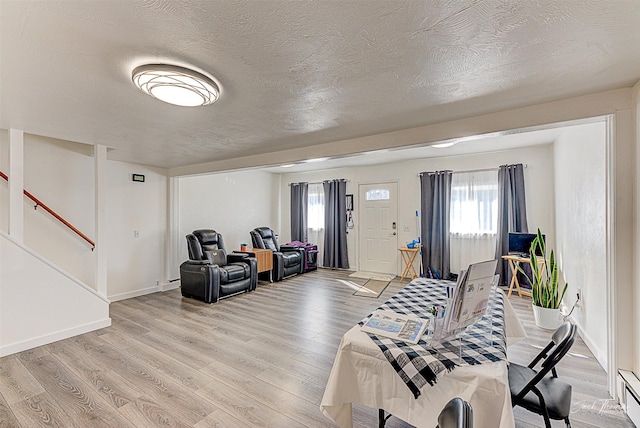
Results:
[260, 359]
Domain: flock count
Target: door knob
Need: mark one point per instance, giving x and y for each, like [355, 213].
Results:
[394, 234]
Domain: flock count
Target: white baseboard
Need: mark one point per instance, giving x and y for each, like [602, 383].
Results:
[53, 337]
[629, 394]
[135, 293]
[169, 286]
[166, 286]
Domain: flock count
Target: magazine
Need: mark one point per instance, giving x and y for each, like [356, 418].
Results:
[396, 326]
[469, 302]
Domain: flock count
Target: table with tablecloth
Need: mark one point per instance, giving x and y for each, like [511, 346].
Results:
[362, 374]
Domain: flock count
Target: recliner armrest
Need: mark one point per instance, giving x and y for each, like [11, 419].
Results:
[237, 257]
[198, 262]
[288, 248]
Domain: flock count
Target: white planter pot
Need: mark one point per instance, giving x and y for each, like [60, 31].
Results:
[546, 318]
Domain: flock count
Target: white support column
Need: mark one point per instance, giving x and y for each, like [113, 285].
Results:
[101, 249]
[621, 217]
[173, 226]
[16, 184]
[636, 285]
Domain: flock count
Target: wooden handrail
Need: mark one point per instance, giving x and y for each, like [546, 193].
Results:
[53, 213]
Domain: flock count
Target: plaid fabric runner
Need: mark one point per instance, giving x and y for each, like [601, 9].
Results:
[422, 364]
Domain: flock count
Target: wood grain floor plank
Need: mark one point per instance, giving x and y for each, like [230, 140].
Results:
[244, 407]
[296, 344]
[220, 419]
[43, 410]
[130, 401]
[238, 352]
[310, 390]
[182, 373]
[167, 345]
[32, 354]
[145, 412]
[125, 326]
[273, 396]
[73, 395]
[113, 387]
[16, 383]
[219, 347]
[208, 320]
[7, 418]
[159, 387]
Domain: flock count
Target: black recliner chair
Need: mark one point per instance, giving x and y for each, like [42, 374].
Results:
[287, 260]
[211, 274]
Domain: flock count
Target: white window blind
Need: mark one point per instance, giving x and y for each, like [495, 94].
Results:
[315, 208]
[473, 218]
[315, 217]
[474, 202]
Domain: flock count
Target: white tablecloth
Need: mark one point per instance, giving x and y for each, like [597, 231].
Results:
[361, 374]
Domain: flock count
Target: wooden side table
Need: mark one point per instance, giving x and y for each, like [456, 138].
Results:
[514, 261]
[264, 258]
[408, 256]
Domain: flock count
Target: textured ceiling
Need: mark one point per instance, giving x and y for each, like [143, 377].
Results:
[298, 73]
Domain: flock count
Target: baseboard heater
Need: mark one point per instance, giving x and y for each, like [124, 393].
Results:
[629, 394]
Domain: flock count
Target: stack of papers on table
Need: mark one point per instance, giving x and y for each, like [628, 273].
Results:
[396, 326]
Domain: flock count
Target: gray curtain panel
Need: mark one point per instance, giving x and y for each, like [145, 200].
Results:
[435, 203]
[335, 225]
[299, 201]
[512, 214]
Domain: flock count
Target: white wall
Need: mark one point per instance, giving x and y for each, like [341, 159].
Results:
[4, 189]
[136, 265]
[230, 203]
[538, 179]
[635, 343]
[61, 174]
[40, 304]
[581, 219]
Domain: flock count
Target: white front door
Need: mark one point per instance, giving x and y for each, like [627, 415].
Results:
[378, 231]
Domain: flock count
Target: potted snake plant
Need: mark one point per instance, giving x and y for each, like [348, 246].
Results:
[546, 293]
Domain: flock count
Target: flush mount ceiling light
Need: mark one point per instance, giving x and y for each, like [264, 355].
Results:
[176, 85]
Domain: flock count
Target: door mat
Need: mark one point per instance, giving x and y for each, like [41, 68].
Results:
[372, 275]
[372, 288]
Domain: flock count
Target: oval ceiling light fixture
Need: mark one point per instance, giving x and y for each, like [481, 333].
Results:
[176, 85]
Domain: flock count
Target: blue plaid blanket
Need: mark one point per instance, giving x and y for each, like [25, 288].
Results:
[424, 363]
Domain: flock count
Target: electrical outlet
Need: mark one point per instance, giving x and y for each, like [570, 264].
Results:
[579, 298]
[136, 233]
[405, 229]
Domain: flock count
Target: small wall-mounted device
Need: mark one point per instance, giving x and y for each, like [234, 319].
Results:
[349, 202]
[138, 177]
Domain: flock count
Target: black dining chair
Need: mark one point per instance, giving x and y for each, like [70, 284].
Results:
[457, 413]
[537, 392]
